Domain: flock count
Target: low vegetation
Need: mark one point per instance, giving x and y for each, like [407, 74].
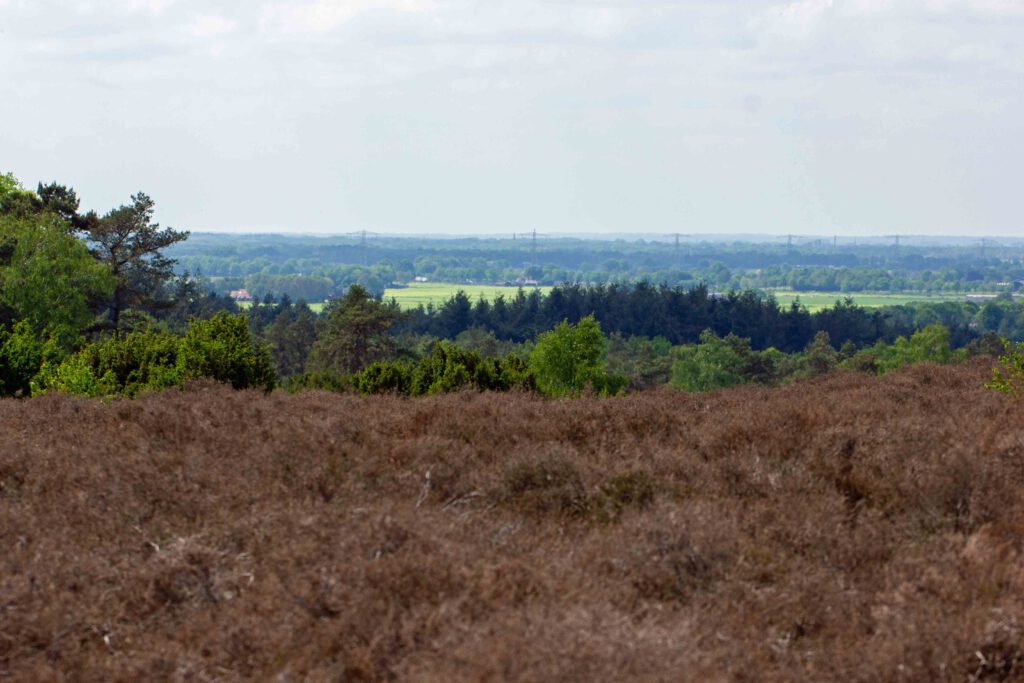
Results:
[851, 527]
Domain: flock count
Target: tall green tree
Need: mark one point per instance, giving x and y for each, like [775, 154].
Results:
[63, 201]
[290, 338]
[354, 332]
[130, 244]
[9, 184]
[15, 200]
[47, 277]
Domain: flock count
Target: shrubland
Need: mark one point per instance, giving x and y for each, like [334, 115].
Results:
[847, 527]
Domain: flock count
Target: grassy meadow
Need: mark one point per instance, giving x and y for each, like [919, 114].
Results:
[815, 301]
[438, 292]
[423, 293]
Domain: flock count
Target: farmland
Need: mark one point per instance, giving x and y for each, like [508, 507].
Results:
[846, 528]
[423, 293]
[815, 301]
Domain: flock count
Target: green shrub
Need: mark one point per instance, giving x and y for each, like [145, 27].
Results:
[570, 358]
[21, 355]
[223, 349]
[714, 363]
[139, 361]
[220, 348]
[927, 345]
[74, 375]
[447, 368]
[318, 381]
[383, 377]
[1008, 375]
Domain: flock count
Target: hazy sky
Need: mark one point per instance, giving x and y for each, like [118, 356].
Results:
[493, 116]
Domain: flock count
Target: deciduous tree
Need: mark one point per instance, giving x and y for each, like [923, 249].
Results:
[569, 358]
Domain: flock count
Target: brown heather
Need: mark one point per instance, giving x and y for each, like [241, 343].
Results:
[850, 528]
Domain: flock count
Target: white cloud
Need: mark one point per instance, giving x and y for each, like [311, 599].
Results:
[602, 112]
[322, 16]
[154, 6]
[211, 26]
[796, 19]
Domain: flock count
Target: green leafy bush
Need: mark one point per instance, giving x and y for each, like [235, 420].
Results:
[385, 377]
[139, 361]
[448, 368]
[222, 348]
[927, 345]
[714, 363]
[1008, 375]
[570, 358]
[75, 375]
[21, 355]
[318, 381]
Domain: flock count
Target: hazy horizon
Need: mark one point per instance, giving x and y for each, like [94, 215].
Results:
[859, 118]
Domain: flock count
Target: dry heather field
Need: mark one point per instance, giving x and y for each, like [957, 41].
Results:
[850, 528]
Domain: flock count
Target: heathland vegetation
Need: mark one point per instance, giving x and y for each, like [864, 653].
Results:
[850, 527]
[189, 490]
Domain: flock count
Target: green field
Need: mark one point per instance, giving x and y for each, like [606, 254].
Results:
[316, 308]
[815, 301]
[438, 292]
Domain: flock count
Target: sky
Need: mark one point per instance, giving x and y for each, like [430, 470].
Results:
[817, 117]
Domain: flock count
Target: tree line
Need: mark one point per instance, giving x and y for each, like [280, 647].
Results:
[318, 268]
[92, 304]
[680, 315]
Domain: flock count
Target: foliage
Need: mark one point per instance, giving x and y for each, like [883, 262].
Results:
[8, 185]
[48, 277]
[15, 200]
[354, 332]
[385, 377]
[714, 363]
[291, 337]
[317, 381]
[219, 348]
[140, 361]
[929, 345]
[223, 349]
[131, 245]
[447, 368]
[570, 358]
[820, 357]
[21, 355]
[1008, 375]
[647, 363]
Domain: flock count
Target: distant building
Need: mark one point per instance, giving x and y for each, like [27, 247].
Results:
[240, 295]
[420, 278]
